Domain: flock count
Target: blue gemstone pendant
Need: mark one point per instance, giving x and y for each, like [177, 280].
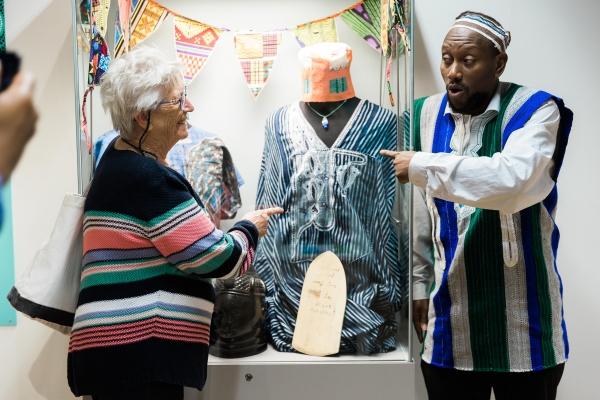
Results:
[325, 123]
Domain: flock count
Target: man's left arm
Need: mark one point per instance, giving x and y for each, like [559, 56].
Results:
[509, 181]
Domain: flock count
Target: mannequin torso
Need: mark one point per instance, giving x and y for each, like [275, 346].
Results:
[337, 120]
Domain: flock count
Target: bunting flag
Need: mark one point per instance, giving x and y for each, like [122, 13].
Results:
[316, 32]
[378, 22]
[194, 42]
[256, 53]
[99, 59]
[398, 16]
[100, 9]
[146, 17]
[119, 33]
[85, 10]
[364, 19]
[122, 21]
[384, 37]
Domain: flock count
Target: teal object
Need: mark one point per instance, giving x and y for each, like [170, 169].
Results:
[8, 315]
[338, 85]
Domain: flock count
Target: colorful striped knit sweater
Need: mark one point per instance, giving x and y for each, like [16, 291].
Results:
[491, 310]
[145, 307]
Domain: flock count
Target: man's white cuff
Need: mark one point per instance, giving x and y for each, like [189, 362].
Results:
[417, 174]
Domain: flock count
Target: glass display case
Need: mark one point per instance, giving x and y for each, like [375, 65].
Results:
[231, 104]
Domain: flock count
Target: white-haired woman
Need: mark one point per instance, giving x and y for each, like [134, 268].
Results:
[141, 328]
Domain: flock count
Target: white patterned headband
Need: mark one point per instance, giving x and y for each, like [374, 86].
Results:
[487, 28]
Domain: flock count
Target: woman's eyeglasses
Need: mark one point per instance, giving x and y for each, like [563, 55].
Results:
[181, 100]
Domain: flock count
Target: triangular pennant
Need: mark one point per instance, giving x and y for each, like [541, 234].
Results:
[99, 59]
[364, 19]
[398, 23]
[316, 32]
[256, 53]
[123, 21]
[147, 15]
[83, 28]
[85, 12]
[118, 29]
[384, 31]
[194, 42]
[100, 9]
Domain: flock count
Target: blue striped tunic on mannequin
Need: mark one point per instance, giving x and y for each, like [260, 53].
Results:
[337, 198]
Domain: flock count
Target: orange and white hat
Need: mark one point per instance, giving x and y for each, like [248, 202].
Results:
[326, 72]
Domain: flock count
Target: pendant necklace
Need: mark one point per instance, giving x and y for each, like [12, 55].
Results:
[325, 121]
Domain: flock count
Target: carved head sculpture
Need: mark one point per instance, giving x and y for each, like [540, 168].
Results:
[238, 317]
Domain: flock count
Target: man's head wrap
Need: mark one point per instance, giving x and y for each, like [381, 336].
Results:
[326, 72]
[486, 27]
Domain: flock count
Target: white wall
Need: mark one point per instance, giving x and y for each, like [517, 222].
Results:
[553, 48]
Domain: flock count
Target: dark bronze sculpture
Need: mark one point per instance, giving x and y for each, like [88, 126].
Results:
[238, 320]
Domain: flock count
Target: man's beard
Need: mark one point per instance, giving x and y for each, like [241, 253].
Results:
[473, 104]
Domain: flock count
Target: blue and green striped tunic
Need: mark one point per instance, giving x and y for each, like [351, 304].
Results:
[496, 302]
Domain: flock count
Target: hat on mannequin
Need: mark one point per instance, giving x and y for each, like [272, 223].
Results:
[326, 72]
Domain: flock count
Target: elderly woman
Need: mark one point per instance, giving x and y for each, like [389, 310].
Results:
[141, 328]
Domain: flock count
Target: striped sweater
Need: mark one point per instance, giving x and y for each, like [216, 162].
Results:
[144, 306]
[496, 299]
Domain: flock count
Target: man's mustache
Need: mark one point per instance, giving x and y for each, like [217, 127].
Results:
[455, 86]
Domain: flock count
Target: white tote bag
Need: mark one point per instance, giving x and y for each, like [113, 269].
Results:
[49, 289]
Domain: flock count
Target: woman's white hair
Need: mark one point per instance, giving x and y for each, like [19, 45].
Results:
[136, 82]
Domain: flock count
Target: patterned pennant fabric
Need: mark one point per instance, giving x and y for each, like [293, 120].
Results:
[124, 14]
[384, 37]
[118, 31]
[398, 23]
[316, 32]
[99, 59]
[146, 17]
[85, 11]
[364, 19]
[256, 53]
[194, 42]
[122, 27]
[100, 9]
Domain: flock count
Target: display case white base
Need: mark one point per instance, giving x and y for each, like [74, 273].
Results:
[356, 379]
[274, 357]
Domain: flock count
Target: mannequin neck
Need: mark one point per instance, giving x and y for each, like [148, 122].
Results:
[337, 121]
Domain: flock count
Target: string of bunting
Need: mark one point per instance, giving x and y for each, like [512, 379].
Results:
[376, 21]
[94, 19]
